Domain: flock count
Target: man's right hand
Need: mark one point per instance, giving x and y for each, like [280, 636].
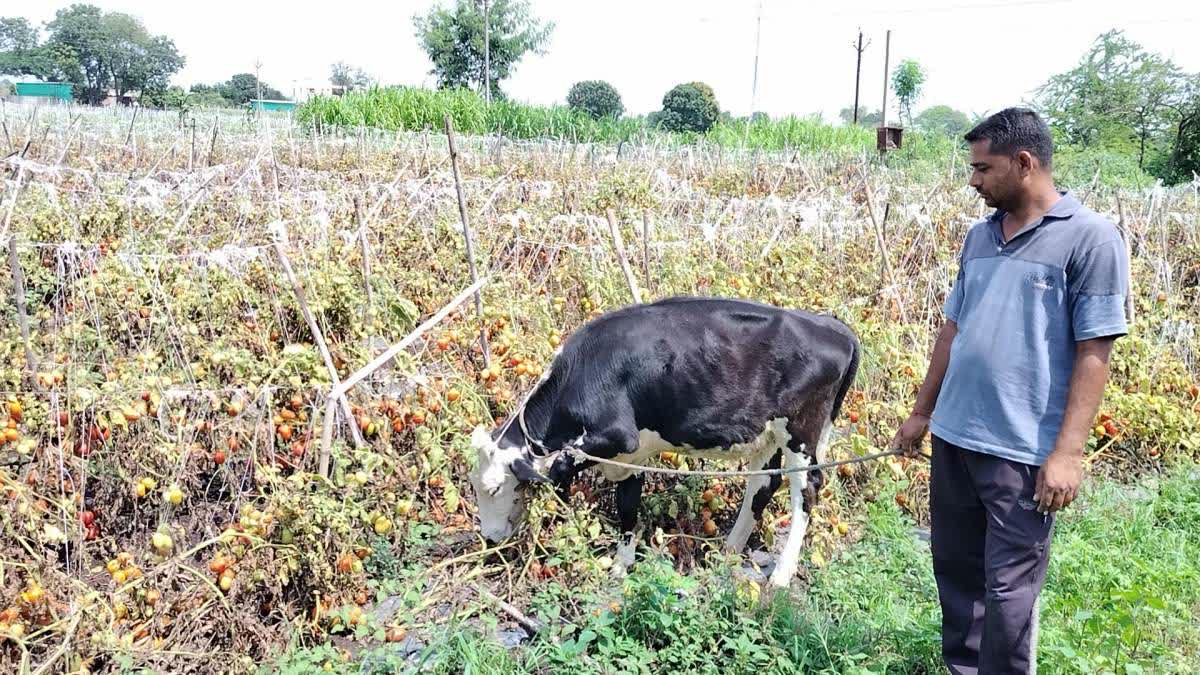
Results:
[911, 434]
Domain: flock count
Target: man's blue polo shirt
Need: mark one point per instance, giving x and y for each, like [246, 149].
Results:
[1020, 307]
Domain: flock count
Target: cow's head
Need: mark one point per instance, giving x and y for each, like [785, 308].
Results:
[500, 480]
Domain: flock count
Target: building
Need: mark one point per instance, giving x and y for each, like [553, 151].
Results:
[268, 104]
[126, 99]
[302, 90]
[43, 92]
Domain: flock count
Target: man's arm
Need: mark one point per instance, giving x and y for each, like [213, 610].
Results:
[1059, 478]
[912, 431]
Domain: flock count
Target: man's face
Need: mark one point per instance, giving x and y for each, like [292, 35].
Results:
[997, 178]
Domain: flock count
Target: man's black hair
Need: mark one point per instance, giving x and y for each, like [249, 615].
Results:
[1015, 129]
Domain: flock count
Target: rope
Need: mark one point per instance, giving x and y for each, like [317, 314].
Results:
[761, 472]
[576, 452]
[524, 430]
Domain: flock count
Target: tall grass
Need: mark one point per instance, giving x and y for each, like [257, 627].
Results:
[790, 133]
[411, 109]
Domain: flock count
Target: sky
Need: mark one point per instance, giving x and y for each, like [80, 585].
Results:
[979, 55]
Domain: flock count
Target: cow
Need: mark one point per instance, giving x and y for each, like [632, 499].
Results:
[717, 378]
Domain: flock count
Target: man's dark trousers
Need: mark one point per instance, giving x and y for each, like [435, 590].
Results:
[990, 550]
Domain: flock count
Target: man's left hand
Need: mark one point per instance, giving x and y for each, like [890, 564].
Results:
[1058, 482]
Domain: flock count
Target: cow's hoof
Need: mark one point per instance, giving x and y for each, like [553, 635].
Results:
[626, 555]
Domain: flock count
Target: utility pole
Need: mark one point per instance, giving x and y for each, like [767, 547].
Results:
[754, 85]
[257, 87]
[487, 53]
[858, 70]
[887, 51]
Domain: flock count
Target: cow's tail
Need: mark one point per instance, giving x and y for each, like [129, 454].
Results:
[847, 379]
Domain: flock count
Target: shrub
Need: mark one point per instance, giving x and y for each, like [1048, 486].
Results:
[690, 107]
[597, 98]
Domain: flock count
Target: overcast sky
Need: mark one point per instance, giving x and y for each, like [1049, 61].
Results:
[980, 55]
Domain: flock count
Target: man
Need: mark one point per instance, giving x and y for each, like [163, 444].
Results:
[1014, 382]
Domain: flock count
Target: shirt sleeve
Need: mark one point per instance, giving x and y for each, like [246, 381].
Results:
[1098, 286]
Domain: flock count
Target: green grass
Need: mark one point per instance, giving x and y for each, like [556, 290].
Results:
[1122, 596]
[415, 109]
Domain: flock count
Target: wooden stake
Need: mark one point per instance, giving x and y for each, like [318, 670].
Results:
[339, 391]
[531, 626]
[212, 147]
[1123, 228]
[360, 222]
[319, 339]
[620, 248]
[129, 134]
[646, 249]
[774, 236]
[14, 264]
[462, 214]
[889, 278]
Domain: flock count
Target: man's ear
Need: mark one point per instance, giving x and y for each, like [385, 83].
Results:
[1026, 162]
[523, 469]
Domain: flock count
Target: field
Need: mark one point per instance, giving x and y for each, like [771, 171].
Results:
[164, 509]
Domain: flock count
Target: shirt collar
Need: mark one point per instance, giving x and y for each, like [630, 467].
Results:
[1066, 206]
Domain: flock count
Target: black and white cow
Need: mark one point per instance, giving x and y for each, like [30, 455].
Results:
[707, 377]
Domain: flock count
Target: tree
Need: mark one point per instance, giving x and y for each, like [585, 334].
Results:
[597, 98]
[138, 61]
[17, 34]
[907, 79]
[690, 107]
[865, 118]
[97, 50]
[1117, 97]
[942, 119]
[1184, 162]
[342, 74]
[77, 35]
[453, 39]
[242, 87]
[21, 52]
[207, 96]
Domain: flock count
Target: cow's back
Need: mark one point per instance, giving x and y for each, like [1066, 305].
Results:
[702, 372]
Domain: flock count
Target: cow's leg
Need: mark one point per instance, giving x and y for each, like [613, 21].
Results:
[763, 497]
[629, 498]
[620, 440]
[789, 557]
[803, 498]
[758, 492]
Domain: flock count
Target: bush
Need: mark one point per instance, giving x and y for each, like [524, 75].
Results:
[597, 98]
[690, 107]
[942, 119]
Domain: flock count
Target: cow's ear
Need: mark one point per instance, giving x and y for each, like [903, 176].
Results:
[481, 440]
[523, 469]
